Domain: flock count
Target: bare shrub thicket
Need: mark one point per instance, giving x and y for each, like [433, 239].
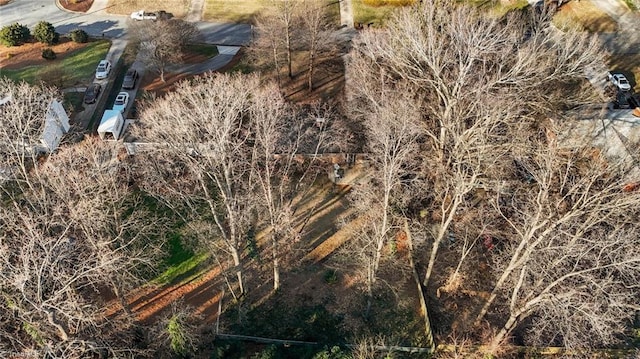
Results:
[75, 233]
[22, 113]
[226, 152]
[288, 29]
[488, 164]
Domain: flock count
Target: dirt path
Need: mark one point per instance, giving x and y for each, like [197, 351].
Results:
[201, 293]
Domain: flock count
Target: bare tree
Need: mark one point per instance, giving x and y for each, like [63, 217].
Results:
[392, 128]
[276, 30]
[23, 110]
[161, 43]
[489, 87]
[572, 259]
[281, 131]
[48, 275]
[267, 44]
[75, 232]
[317, 31]
[204, 152]
[468, 66]
[95, 186]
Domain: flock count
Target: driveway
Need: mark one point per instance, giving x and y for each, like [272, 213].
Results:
[228, 34]
[627, 39]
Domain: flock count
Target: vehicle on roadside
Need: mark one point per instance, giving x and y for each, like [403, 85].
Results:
[103, 69]
[122, 100]
[92, 93]
[130, 79]
[623, 100]
[163, 15]
[144, 15]
[619, 81]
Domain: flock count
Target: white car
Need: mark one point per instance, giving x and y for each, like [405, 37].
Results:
[143, 15]
[122, 100]
[620, 81]
[103, 69]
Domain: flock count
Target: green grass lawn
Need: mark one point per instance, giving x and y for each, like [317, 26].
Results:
[73, 70]
[203, 49]
[181, 264]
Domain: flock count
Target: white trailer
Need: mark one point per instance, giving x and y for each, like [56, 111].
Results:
[111, 125]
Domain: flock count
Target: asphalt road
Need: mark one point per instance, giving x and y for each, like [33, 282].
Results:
[98, 23]
[30, 12]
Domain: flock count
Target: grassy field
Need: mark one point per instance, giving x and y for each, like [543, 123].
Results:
[178, 8]
[181, 262]
[73, 70]
[584, 15]
[234, 10]
[365, 14]
[246, 10]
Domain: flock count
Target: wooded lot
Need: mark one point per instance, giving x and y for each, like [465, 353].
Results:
[453, 207]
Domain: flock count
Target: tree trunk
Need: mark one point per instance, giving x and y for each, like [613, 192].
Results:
[432, 260]
[276, 66]
[276, 265]
[117, 289]
[370, 281]
[311, 65]
[62, 332]
[423, 304]
[288, 45]
[436, 244]
[236, 262]
[502, 334]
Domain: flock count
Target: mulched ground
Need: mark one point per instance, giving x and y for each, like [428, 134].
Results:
[31, 53]
[76, 5]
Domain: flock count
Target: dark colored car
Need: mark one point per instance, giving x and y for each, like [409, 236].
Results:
[130, 79]
[163, 15]
[92, 93]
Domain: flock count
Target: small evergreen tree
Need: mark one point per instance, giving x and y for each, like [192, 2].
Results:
[48, 54]
[45, 32]
[14, 34]
[79, 36]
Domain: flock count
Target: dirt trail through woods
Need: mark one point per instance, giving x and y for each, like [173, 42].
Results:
[317, 220]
